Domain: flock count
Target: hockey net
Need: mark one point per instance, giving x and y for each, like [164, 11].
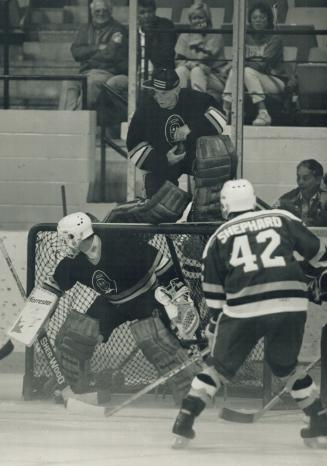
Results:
[119, 359]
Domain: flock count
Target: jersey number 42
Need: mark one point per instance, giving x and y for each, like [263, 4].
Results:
[242, 255]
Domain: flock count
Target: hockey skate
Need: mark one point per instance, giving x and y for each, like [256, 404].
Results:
[183, 430]
[315, 435]
[180, 308]
[183, 427]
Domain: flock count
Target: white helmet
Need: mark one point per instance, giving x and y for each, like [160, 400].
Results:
[237, 196]
[72, 230]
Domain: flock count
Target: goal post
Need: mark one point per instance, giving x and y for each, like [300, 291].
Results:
[119, 359]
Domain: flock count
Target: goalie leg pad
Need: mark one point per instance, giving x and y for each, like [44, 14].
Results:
[78, 336]
[163, 350]
[166, 205]
[75, 343]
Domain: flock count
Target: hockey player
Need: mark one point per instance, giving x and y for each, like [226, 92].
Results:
[125, 275]
[162, 135]
[252, 281]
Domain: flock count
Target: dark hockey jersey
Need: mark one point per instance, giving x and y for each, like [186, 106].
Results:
[151, 131]
[249, 266]
[128, 267]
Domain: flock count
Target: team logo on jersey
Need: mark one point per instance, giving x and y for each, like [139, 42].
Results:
[172, 123]
[103, 284]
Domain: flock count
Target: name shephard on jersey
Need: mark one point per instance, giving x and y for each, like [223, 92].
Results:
[248, 226]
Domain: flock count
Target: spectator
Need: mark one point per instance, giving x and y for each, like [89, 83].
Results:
[162, 135]
[156, 46]
[308, 201]
[101, 48]
[264, 72]
[200, 57]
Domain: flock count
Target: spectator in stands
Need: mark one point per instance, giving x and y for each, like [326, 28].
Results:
[309, 200]
[264, 72]
[200, 58]
[162, 135]
[101, 48]
[156, 46]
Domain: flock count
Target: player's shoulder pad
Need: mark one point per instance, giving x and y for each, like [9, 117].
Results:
[285, 213]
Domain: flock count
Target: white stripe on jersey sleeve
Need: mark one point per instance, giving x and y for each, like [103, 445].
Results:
[139, 153]
[216, 118]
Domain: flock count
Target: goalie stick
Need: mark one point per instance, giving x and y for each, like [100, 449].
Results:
[79, 407]
[237, 416]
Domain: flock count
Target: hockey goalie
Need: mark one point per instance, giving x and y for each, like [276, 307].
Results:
[125, 273]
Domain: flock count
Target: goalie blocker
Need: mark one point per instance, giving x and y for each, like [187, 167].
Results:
[37, 309]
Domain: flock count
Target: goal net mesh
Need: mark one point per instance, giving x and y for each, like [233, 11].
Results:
[120, 357]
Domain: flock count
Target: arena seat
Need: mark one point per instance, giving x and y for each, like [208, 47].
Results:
[317, 54]
[315, 16]
[312, 81]
[164, 12]
[120, 13]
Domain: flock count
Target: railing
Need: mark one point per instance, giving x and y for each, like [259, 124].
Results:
[74, 77]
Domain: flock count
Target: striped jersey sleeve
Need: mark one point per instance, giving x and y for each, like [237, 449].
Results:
[212, 276]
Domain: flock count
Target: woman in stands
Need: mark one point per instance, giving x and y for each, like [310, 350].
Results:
[264, 71]
[200, 57]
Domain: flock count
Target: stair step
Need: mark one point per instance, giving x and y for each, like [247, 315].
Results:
[33, 67]
[51, 36]
[56, 51]
[54, 27]
[47, 15]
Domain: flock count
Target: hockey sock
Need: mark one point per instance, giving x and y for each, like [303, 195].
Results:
[205, 385]
[305, 393]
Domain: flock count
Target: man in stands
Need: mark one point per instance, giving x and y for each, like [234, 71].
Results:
[156, 45]
[254, 287]
[308, 201]
[125, 273]
[164, 129]
[101, 49]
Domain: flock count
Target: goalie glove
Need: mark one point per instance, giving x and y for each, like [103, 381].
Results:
[180, 308]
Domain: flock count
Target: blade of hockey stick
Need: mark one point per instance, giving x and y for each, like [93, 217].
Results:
[76, 406]
[238, 416]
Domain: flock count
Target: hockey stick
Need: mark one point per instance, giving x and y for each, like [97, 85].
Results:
[78, 407]
[237, 416]
[43, 338]
[63, 200]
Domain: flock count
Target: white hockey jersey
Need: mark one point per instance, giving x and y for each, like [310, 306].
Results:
[249, 267]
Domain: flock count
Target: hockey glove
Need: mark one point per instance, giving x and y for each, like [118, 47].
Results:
[317, 288]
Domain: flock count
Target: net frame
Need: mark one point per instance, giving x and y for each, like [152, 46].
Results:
[255, 377]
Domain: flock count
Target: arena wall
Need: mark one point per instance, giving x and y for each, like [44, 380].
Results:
[41, 150]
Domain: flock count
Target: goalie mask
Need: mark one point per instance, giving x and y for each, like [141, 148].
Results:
[72, 230]
[237, 196]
